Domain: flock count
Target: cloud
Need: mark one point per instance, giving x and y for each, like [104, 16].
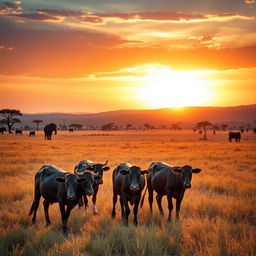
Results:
[249, 1]
[4, 47]
[10, 8]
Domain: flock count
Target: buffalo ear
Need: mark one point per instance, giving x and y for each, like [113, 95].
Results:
[89, 168]
[144, 172]
[106, 168]
[176, 170]
[60, 179]
[196, 170]
[81, 179]
[124, 172]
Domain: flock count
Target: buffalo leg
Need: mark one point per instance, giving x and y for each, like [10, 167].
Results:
[135, 212]
[113, 214]
[122, 207]
[178, 203]
[69, 208]
[159, 203]
[34, 206]
[170, 207]
[150, 196]
[46, 212]
[63, 217]
[94, 198]
[85, 203]
[127, 210]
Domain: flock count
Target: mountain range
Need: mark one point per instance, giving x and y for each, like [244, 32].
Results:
[186, 116]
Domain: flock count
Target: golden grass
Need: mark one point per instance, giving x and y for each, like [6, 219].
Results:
[217, 213]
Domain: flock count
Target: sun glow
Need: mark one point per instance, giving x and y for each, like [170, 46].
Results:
[169, 88]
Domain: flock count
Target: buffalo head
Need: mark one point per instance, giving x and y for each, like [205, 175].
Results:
[134, 173]
[71, 182]
[186, 173]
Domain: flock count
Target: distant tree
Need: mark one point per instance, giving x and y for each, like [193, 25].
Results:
[9, 116]
[37, 122]
[149, 126]
[76, 126]
[203, 125]
[215, 127]
[128, 126]
[176, 126]
[108, 126]
[224, 127]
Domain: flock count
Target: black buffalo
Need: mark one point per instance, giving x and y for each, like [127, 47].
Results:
[18, 131]
[128, 183]
[234, 135]
[170, 181]
[32, 133]
[97, 171]
[71, 129]
[48, 129]
[2, 130]
[254, 130]
[57, 186]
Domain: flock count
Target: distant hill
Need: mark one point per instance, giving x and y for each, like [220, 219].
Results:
[188, 116]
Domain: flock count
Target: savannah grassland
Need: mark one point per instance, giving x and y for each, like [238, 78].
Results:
[217, 213]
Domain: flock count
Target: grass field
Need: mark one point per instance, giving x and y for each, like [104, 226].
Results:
[217, 213]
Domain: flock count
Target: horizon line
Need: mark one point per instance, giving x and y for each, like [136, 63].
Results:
[148, 109]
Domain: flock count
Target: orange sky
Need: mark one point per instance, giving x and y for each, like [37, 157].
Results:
[96, 57]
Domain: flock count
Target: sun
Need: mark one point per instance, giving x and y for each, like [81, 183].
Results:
[170, 88]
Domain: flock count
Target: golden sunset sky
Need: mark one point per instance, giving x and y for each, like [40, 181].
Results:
[92, 56]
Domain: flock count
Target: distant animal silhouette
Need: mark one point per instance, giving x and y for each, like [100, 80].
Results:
[71, 130]
[200, 132]
[2, 130]
[18, 131]
[48, 129]
[32, 133]
[234, 135]
[254, 130]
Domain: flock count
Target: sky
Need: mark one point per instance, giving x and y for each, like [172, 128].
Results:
[103, 55]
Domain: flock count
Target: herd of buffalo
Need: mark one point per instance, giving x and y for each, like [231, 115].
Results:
[71, 189]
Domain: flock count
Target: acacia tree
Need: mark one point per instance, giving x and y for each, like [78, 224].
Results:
[37, 122]
[76, 126]
[204, 125]
[9, 116]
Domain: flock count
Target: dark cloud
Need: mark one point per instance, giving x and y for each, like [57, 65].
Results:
[10, 7]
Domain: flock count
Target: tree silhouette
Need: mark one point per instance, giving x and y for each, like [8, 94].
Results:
[176, 126]
[9, 117]
[76, 126]
[108, 127]
[203, 125]
[128, 126]
[37, 122]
